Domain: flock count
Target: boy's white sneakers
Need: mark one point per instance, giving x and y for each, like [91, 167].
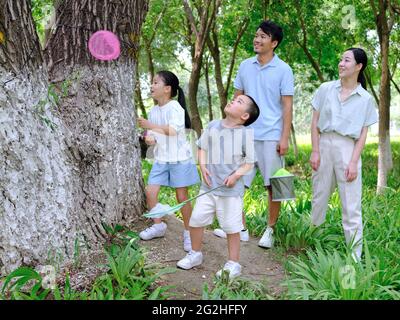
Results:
[157, 230]
[192, 259]
[187, 243]
[244, 235]
[233, 268]
[267, 240]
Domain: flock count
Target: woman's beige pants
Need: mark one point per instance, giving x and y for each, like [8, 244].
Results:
[336, 152]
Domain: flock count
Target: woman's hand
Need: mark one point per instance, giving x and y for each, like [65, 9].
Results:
[315, 160]
[206, 175]
[145, 124]
[351, 172]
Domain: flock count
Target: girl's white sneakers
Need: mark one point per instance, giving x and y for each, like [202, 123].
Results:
[157, 230]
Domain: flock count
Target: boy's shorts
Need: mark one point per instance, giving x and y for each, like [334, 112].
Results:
[268, 161]
[175, 175]
[228, 210]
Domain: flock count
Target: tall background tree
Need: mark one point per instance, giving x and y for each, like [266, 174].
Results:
[68, 140]
[384, 13]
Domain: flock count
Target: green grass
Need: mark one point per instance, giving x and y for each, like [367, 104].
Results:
[317, 260]
[317, 269]
[129, 277]
[235, 289]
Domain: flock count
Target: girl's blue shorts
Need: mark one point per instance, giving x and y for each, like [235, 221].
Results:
[176, 175]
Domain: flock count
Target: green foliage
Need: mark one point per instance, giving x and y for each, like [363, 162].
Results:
[235, 289]
[331, 275]
[24, 283]
[319, 264]
[41, 12]
[129, 276]
[331, 26]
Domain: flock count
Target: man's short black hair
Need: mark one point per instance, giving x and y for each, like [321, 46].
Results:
[273, 30]
[253, 110]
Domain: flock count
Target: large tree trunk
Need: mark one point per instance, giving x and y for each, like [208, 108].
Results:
[60, 185]
[35, 177]
[98, 110]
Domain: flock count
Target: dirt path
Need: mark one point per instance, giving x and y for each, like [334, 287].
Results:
[257, 264]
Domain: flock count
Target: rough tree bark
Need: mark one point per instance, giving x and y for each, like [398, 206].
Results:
[69, 151]
[35, 178]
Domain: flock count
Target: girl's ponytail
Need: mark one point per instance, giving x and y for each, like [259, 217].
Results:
[170, 79]
[182, 102]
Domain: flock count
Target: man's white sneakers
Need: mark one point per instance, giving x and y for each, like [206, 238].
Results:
[267, 240]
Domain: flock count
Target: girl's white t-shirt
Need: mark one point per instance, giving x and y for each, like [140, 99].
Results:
[170, 148]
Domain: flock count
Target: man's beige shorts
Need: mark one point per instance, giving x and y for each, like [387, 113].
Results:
[227, 209]
[268, 161]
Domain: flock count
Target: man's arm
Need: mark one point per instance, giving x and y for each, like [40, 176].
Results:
[287, 105]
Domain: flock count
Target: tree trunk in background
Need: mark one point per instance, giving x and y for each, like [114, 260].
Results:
[138, 94]
[303, 44]
[293, 140]
[213, 46]
[58, 186]
[193, 88]
[209, 98]
[206, 13]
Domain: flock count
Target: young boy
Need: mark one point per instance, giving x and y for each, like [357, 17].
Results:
[226, 153]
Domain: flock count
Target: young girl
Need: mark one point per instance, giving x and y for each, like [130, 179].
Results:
[173, 162]
[343, 111]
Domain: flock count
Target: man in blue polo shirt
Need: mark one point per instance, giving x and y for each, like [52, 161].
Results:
[269, 81]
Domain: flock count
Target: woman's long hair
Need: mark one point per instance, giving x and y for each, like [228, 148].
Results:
[361, 57]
